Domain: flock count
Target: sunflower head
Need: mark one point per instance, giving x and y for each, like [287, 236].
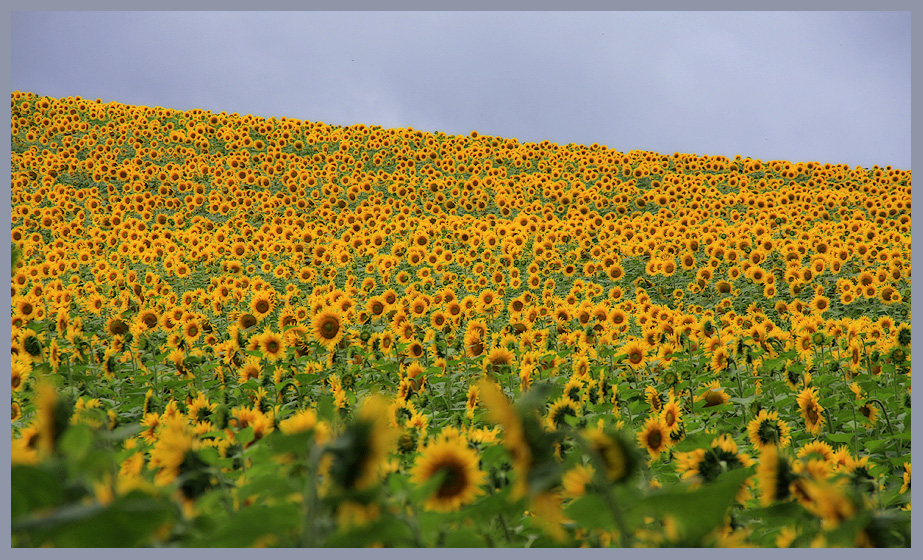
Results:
[456, 464]
[360, 452]
[612, 453]
[654, 436]
[328, 328]
[767, 430]
[775, 475]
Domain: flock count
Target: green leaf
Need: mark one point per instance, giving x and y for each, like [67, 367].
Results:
[128, 522]
[326, 408]
[387, 530]
[33, 488]
[463, 538]
[245, 436]
[244, 527]
[590, 511]
[299, 444]
[75, 442]
[425, 490]
[696, 512]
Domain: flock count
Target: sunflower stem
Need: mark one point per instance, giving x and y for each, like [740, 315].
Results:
[308, 535]
[884, 412]
[855, 433]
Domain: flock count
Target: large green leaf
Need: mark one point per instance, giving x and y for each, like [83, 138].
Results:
[33, 488]
[128, 522]
[244, 527]
[590, 511]
[696, 512]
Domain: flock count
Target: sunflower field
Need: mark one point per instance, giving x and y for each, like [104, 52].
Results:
[232, 331]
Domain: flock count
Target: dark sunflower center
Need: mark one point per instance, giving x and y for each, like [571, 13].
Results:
[768, 433]
[654, 439]
[33, 346]
[247, 321]
[812, 413]
[118, 327]
[329, 328]
[262, 306]
[272, 346]
[455, 480]
[500, 360]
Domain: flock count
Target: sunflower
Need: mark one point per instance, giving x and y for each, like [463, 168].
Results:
[499, 359]
[261, 304]
[654, 436]
[471, 401]
[719, 359]
[418, 307]
[376, 307]
[300, 421]
[635, 353]
[19, 373]
[811, 410]
[653, 398]
[246, 320]
[252, 417]
[502, 412]
[462, 477]
[474, 345]
[561, 408]
[820, 304]
[775, 475]
[766, 430]
[359, 454]
[251, 369]
[671, 413]
[328, 328]
[400, 411]
[714, 395]
[200, 409]
[26, 307]
[816, 448]
[614, 453]
[869, 413]
[576, 480]
[175, 455]
[707, 464]
[54, 413]
[191, 330]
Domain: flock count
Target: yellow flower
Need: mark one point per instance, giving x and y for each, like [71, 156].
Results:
[576, 480]
[654, 436]
[328, 328]
[766, 430]
[19, 373]
[811, 410]
[462, 477]
[272, 345]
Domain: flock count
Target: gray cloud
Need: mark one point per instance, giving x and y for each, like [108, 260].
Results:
[801, 86]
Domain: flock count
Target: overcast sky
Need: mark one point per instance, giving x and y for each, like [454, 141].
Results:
[798, 86]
